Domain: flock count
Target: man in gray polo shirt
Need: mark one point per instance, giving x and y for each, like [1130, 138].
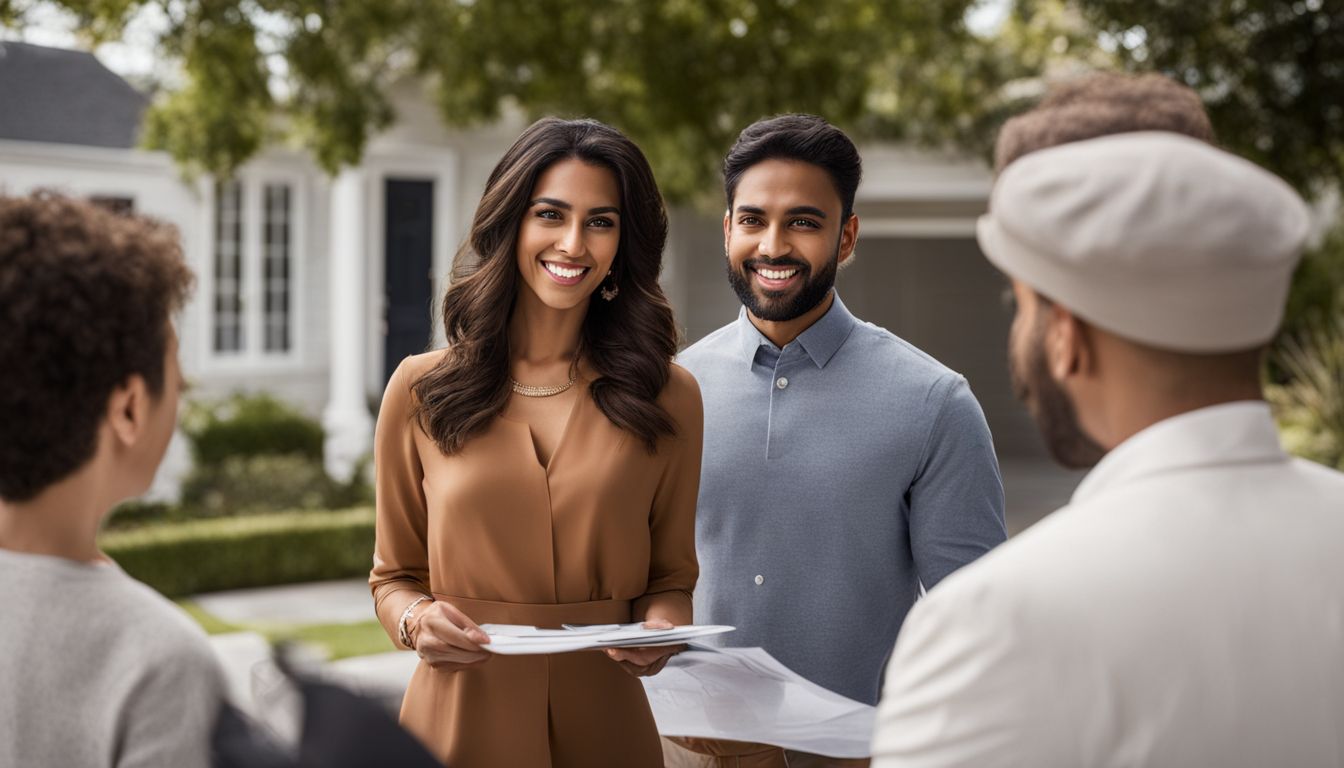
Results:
[843, 468]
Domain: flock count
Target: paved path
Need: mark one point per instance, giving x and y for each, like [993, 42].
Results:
[249, 672]
[325, 602]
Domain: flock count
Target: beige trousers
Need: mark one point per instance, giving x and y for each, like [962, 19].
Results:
[716, 753]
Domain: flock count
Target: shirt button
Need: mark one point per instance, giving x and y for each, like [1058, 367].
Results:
[781, 382]
[759, 579]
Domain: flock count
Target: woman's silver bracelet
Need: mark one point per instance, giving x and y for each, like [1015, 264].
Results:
[403, 632]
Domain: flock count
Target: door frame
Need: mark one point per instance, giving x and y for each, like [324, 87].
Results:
[422, 277]
[438, 165]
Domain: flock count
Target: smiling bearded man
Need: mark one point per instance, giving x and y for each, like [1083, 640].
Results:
[843, 468]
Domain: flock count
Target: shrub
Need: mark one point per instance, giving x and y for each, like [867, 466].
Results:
[1318, 288]
[243, 484]
[194, 556]
[249, 425]
[251, 484]
[255, 454]
[1310, 404]
[136, 512]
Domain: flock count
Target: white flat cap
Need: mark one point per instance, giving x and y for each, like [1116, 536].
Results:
[1155, 237]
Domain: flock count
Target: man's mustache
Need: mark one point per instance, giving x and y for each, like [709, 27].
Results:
[774, 264]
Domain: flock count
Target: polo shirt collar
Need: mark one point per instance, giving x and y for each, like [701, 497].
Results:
[820, 341]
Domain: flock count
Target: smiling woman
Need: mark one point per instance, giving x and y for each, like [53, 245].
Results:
[543, 468]
[569, 237]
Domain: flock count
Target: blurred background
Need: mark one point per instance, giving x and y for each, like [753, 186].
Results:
[322, 160]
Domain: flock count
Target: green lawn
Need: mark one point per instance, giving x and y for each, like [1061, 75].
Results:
[336, 641]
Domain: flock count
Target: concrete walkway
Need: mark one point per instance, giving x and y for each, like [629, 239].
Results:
[325, 602]
[253, 681]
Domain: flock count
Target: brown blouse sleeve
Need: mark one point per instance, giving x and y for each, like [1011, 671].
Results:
[400, 550]
[673, 568]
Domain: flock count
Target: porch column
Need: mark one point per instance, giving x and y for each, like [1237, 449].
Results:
[349, 428]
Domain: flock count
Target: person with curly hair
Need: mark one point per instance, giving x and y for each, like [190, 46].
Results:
[98, 669]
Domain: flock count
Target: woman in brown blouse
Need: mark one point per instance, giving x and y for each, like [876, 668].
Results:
[543, 468]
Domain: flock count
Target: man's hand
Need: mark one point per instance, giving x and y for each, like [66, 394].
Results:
[447, 639]
[649, 660]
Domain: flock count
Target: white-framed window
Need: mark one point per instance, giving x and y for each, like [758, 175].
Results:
[119, 204]
[227, 254]
[277, 320]
[255, 252]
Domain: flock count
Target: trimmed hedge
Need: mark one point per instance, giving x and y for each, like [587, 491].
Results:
[241, 485]
[186, 558]
[249, 425]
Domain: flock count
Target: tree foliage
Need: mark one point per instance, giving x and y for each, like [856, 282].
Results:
[683, 76]
[1271, 72]
[680, 76]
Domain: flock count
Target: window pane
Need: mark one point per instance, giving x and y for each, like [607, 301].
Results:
[228, 253]
[114, 203]
[276, 268]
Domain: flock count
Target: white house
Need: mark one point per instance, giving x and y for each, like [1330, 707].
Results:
[313, 288]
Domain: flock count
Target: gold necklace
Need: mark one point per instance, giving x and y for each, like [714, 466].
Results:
[528, 390]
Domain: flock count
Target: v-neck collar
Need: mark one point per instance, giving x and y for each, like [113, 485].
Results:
[581, 383]
[564, 433]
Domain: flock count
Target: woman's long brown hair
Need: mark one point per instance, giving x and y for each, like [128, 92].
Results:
[630, 342]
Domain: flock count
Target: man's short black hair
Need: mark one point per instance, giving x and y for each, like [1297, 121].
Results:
[804, 138]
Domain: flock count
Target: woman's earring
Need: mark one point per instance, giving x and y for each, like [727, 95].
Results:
[609, 294]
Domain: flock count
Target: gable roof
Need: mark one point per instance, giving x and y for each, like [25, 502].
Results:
[66, 97]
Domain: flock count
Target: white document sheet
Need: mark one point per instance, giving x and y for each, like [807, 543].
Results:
[745, 694]
[517, 639]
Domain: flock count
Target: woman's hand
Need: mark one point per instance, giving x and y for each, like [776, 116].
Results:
[447, 639]
[647, 660]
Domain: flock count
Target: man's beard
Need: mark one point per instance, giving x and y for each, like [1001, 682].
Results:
[1051, 408]
[779, 306]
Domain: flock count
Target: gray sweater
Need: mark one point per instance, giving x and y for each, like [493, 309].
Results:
[96, 669]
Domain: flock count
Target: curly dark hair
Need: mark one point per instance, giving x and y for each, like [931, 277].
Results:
[86, 297]
[630, 342]
[1101, 104]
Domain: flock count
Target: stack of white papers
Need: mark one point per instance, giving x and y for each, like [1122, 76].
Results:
[745, 694]
[517, 639]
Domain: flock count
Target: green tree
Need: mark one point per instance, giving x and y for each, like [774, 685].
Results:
[680, 76]
[1271, 72]
[1317, 294]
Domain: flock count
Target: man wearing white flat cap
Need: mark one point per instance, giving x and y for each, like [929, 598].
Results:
[1187, 607]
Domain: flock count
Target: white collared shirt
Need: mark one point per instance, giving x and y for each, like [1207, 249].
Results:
[1185, 609]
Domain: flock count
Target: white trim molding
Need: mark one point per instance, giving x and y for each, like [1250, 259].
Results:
[253, 358]
[346, 419]
[929, 227]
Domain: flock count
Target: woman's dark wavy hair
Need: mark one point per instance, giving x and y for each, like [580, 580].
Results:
[630, 342]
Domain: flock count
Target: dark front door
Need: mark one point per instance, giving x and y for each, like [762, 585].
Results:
[409, 251]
